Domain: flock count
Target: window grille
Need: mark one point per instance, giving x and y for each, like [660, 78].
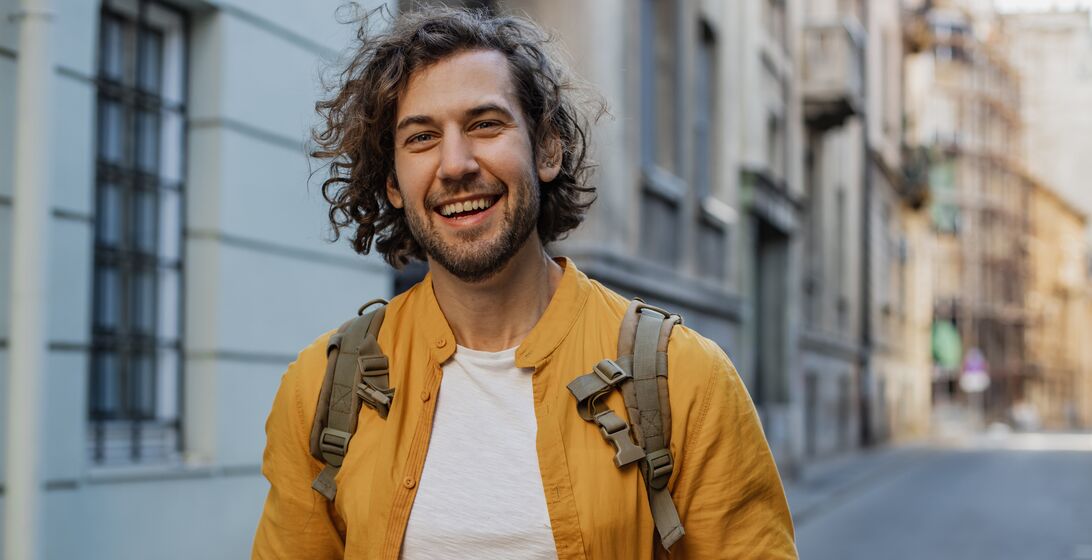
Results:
[134, 396]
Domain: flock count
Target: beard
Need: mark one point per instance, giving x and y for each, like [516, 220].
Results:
[472, 258]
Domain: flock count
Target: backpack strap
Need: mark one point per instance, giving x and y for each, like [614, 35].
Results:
[356, 372]
[640, 373]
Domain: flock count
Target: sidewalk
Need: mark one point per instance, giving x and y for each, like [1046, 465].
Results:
[826, 483]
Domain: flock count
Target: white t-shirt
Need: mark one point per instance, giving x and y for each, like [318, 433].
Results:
[480, 494]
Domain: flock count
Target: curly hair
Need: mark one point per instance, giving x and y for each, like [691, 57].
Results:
[357, 129]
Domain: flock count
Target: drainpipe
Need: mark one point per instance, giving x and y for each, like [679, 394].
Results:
[865, 381]
[30, 238]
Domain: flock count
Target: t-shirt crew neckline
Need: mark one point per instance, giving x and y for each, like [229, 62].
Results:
[506, 357]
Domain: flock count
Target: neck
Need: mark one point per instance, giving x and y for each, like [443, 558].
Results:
[498, 313]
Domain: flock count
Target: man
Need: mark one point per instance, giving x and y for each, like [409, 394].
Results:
[454, 138]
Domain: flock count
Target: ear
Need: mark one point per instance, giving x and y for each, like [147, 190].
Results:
[394, 196]
[549, 159]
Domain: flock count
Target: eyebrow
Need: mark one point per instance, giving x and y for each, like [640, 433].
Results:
[470, 113]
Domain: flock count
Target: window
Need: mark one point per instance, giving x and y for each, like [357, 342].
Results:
[659, 229]
[705, 97]
[661, 145]
[136, 319]
[711, 231]
[662, 69]
[945, 211]
[776, 146]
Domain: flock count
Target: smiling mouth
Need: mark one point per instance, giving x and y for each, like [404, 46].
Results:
[466, 208]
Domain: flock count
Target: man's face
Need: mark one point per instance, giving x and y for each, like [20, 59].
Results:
[466, 175]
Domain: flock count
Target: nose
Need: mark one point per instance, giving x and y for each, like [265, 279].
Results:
[457, 158]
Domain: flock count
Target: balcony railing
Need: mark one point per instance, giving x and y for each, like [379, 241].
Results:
[833, 73]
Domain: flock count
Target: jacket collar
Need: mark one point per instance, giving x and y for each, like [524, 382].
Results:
[544, 338]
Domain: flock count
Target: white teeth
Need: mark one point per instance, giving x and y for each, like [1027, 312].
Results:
[466, 206]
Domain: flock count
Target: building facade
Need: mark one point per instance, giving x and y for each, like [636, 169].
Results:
[179, 217]
[1052, 51]
[735, 176]
[1058, 309]
[897, 241]
[962, 104]
[698, 202]
[863, 349]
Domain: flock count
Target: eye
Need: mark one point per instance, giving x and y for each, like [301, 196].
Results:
[418, 138]
[484, 125]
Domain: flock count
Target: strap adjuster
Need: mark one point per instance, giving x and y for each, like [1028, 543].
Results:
[334, 445]
[659, 466]
[610, 373]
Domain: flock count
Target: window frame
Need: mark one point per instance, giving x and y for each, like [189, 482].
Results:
[130, 420]
[712, 217]
[659, 184]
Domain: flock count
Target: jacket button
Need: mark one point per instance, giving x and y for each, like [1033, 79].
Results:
[440, 342]
[409, 482]
[425, 396]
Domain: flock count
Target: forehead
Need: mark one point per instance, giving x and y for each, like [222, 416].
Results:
[458, 82]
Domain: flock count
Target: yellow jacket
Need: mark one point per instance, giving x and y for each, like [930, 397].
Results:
[725, 484]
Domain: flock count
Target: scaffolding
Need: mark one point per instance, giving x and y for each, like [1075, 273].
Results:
[967, 117]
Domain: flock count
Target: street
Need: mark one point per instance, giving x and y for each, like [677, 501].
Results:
[1023, 496]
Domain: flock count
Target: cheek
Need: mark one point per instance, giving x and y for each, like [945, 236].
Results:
[509, 163]
[414, 176]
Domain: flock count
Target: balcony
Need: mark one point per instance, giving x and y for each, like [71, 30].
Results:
[832, 73]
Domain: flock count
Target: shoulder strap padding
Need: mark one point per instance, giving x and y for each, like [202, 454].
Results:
[642, 351]
[322, 411]
[353, 356]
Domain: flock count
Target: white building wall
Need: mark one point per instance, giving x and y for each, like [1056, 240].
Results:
[260, 280]
[1052, 51]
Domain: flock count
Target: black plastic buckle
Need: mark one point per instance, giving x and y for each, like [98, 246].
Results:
[659, 466]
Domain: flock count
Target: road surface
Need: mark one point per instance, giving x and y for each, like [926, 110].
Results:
[1023, 496]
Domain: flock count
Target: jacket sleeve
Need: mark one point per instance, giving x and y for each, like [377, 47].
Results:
[728, 491]
[297, 522]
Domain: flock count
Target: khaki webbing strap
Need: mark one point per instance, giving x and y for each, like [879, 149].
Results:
[642, 349]
[588, 389]
[666, 517]
[324, 483]
[322, 410]
[373, 386]
[640, 373]
[645, 385]
[628, 331]
[354, 361]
